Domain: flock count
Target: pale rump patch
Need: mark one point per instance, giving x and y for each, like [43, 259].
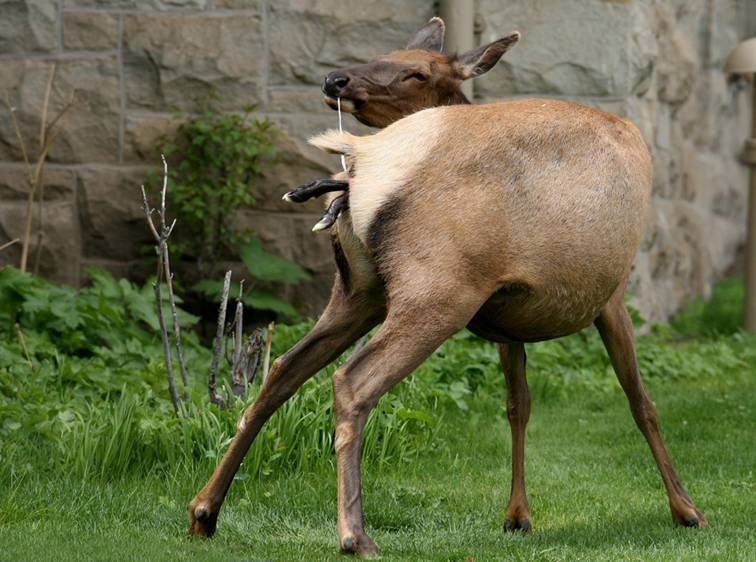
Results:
[383, 161]
[242, 424]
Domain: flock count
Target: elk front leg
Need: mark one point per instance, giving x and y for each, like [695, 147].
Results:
[518, 411]
[616, 331]
[403, 342]
[344, 320]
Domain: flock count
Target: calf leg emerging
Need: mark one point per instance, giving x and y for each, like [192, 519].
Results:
[616, 331]
[518, 411]
[315, 189]
[345, 319]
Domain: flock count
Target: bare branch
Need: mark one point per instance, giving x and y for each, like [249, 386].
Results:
[268, 342]
[164, 333]
[219, 335]
[252, 355]
[174, 317]
[19, 136]
[8, 244]
[164, 266]
[35, 180]
[148, 213]
[238, 380]
[45, 106]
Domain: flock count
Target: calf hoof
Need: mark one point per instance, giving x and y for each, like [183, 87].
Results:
[202, 520]
[517, 524]
[359, 544]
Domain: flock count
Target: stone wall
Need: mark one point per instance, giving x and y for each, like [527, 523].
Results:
[133, 63]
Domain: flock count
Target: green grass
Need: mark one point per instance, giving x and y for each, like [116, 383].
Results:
[94, 465]
[594, 493]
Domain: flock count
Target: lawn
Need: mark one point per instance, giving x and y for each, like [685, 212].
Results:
[594, 491]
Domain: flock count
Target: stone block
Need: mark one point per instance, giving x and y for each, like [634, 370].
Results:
[140, 5]
[88, 131]
[309, 39]
[90, 31]
[238, 4]
[60, 248]
[143, 136]
[297, 99]
[174, 62]
[28, 26]
[573, 47]
[113, 225]
[57, 184]
[676, 66]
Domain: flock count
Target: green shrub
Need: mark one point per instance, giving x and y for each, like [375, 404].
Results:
[215, 160]
[82, 387]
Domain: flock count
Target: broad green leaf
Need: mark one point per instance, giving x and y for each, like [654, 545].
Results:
[269, 267]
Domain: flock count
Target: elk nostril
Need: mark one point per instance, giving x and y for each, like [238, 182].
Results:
[334, 83]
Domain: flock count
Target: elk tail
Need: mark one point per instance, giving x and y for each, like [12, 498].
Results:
[335, 142]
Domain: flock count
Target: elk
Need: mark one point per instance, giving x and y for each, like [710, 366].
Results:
[518, 220]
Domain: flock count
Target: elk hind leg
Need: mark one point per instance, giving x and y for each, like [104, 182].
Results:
[404, 341]
[616, 331]
[513, 361]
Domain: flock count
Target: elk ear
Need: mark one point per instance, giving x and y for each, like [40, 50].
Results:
[484, 58]
[430, 37]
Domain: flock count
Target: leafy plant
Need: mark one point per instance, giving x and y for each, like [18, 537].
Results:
[261, 266]
[215, 160]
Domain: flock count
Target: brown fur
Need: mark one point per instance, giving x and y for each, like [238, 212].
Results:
[519, 220]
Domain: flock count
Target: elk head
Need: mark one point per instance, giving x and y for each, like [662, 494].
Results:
[400, 83]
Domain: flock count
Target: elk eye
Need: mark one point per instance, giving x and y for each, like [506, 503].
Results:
[416, 76]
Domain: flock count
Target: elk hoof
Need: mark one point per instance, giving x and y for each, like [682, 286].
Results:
[202, 521]
[691, 520]
[361, 545]
[520, 524]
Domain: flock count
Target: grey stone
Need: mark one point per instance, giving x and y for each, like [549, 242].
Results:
[88, 131]
[144, 134]
[238, 4]
[28, 26]
[90, 31]
[174, 62]
[60, 248]
[676, 66]
[309, 39]
[57, 184]
[724, 31]
[141, 5]
[297, 99]
[113, 224]
[573, 47]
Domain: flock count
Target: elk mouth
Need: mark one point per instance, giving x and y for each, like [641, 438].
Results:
[348, 105]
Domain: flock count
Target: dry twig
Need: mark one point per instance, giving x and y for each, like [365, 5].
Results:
[253, 352]
[218, 345]
[47, 136]
[8, 244]
[238, 378]
[161, 236]
[268, 342]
